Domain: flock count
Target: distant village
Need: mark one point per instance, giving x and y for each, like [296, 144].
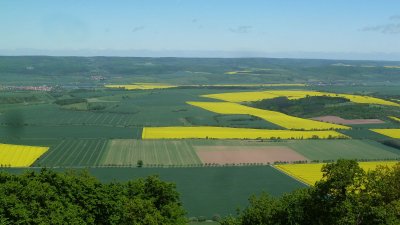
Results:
[27, 88]
[42, 87]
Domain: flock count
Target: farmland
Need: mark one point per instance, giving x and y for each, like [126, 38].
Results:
[338, 120]
[393, 133]
[280, 119]
[395, 118]
[149, 86]
[74, 153]
[153, 153]
[348, 149]
[141, 86]
[211, 125]
[232, 133]
[232, 155]
[295, 94]
[19, 155]
[206, 191]
[183, 153]
[253, 85]
[214, 186]
[311, 173]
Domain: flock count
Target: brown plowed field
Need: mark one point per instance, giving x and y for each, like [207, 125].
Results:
[338, 120]
[246, 154]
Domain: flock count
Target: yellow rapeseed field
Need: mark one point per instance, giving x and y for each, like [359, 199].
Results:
[294, 94]
[252, 85]
[394, 118]
[281, 119]
[231, 133]
[19, 155]
[311, 173]
[242, 96]
[148, 86]
[141, 86]
[392, 67]
[367, 99]
[393, 133]
[239, 72]
[307, 173]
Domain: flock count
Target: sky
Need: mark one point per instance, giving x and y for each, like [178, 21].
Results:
[354, 29]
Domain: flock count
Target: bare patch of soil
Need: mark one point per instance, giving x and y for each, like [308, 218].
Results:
[246, 154]
[338, 120]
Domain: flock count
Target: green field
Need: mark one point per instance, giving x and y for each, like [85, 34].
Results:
[364, 133]
[170, 153]
[65, 131]
[321, 149]
[153, 153]
[347, 149]
[74, 153]
[125, 109]
[206, 191]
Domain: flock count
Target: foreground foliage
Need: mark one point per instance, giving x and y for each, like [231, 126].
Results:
[77, 198]
[346, 195]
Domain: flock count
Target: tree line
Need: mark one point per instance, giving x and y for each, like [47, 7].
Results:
[314, 106]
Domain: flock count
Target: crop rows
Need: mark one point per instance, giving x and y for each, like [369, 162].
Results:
[153, 153]
[126, 152]
[74, 153]
[96, 118]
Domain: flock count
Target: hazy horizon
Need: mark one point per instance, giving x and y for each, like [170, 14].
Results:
[395, 57]
[355, 30]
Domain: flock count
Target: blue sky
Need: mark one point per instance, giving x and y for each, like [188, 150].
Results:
[263, 27]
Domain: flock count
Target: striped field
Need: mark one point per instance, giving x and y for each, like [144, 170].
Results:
[125, 152]
[74, 153]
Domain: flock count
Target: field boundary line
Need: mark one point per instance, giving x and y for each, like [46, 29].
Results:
[284, 172]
